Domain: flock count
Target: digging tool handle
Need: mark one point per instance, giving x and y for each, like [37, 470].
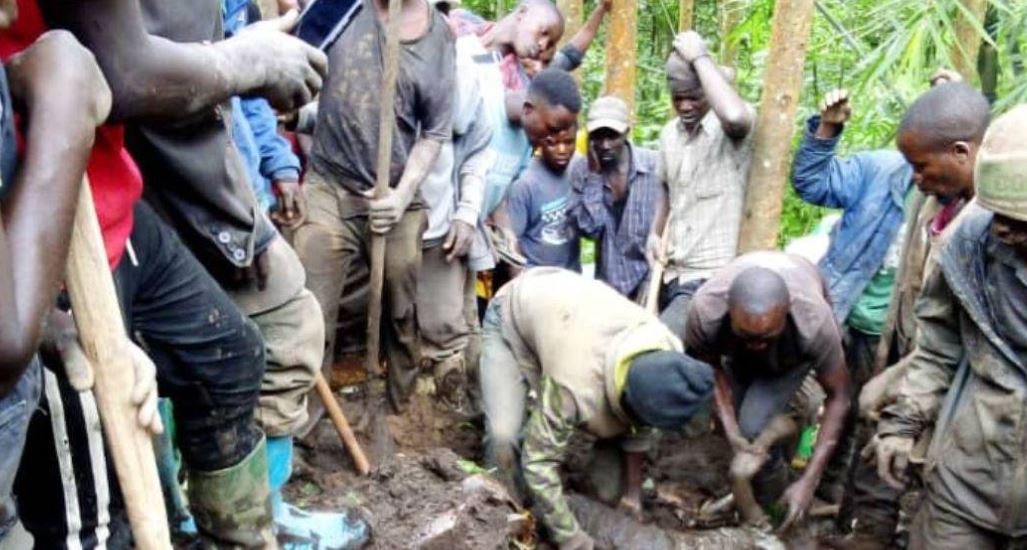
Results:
[342, 426]
[652, 296]
[101, 333]
[386, 121]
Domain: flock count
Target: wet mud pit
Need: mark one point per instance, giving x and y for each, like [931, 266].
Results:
[426, 490]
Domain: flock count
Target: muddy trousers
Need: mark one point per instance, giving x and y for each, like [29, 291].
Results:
[936, 528]
[337, 233]
[504, 395]
[870, 506]
[209, 355]
[440, 305]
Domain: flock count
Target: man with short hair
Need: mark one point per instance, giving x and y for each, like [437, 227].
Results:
[967, 376]
[597, 363]
[496, 48]
[343, 168]
[705, 155]
[869, 186]
[765, 324]
[614, 196]
[538, 202]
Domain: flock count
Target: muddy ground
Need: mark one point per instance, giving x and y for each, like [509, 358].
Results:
[427, 490]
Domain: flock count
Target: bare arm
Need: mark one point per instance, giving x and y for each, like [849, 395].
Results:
[584, 37]
[386, 211]
[836, 385]
[156, 79]
[734, 115]
[59, 137]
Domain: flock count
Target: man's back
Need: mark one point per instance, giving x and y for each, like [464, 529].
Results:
[810, 337]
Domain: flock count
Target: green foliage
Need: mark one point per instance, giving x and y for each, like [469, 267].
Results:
[884, 51]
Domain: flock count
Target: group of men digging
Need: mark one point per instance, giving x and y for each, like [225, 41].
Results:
[916, 311]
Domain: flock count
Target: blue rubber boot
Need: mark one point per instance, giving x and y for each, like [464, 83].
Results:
[300, 530]
[169, 464]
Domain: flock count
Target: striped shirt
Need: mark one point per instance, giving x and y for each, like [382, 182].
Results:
[706, 176]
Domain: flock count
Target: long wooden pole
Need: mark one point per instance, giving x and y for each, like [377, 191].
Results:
[101, 332]
[356, 452]
[686, 15]
[782, 85]
[968, 38]
[621, 53]
[386, 121]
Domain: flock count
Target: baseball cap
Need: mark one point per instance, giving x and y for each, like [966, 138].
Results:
[608, 112]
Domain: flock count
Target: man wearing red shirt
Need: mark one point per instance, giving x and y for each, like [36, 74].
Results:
[209, 355]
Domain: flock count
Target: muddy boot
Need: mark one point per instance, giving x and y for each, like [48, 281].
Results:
[232, 507]
[450, 379]
[297, 529]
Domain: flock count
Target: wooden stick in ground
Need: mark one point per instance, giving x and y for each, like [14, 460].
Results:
[342, 426]
[386, 121]
[102, 332]
[652, 293]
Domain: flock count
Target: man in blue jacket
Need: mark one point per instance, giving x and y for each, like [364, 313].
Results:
[872, 188]
[875, 191]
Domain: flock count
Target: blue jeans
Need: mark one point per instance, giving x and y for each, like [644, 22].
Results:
[16, 409]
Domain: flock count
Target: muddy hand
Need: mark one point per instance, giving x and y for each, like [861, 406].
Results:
[690, 46]
[61, 347]
[385, 211]
[289, 71]
[255, 273]
[892, 455]
[458, 240]
[144, 390]
[292, 204]
[797, 500]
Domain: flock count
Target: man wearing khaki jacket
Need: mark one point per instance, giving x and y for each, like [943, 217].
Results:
[597, 362]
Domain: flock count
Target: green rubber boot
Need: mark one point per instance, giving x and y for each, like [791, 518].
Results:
[232, 507]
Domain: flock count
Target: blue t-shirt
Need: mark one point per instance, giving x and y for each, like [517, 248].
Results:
[537, 206]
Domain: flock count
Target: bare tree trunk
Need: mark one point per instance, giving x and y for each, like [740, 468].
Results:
[730, 15]
[686, 15]
[968, 38]
[573, 14]
[776, 123]
[621, 54]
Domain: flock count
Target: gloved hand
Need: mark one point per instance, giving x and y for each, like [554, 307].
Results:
[144, 389]
[580, 541]
[892, 454]
[275, 65]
